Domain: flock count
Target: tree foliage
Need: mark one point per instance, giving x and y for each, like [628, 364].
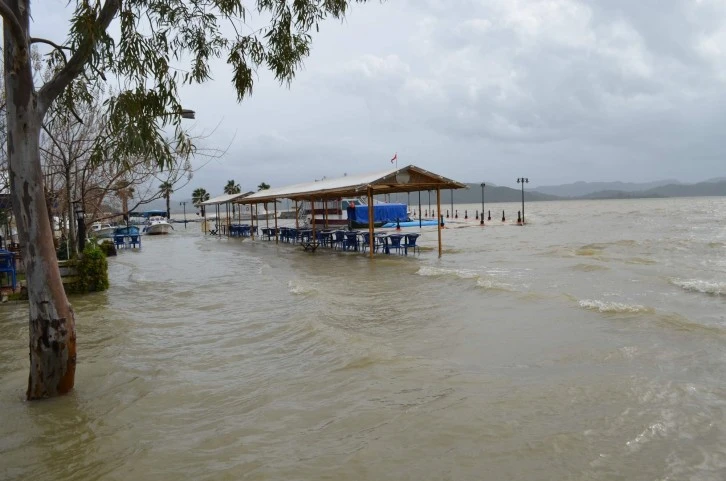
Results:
[159, 46]
[232, 188]
[164, 44]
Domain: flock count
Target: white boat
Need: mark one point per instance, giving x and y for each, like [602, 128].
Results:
[102, 230]
[157, 225]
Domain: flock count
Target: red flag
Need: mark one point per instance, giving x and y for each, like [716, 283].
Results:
[395, 157]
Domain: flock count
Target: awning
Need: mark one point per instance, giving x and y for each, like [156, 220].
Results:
[405, 179]
[224, 199]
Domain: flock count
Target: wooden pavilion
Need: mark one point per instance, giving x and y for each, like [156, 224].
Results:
[405, 179]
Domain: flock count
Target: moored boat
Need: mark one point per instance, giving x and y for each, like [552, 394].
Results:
[102, 230]
[157, 225]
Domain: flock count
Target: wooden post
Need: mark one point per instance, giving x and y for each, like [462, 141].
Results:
[370, 221]
[226, 227]
[276, 233]
[267, 218]
[313, 238]
[252, 221]
[297, 216]
[325, 213]
[438, 210]
[420, 217]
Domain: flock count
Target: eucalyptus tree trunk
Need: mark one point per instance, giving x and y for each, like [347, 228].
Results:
[51, 319]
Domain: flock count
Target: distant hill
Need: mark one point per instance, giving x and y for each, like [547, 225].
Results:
[701, 189]
[584, 189]
[472, 195]
[619, 194]
[708, 188]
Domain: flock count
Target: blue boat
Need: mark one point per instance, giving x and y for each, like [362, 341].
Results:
[127, 236]
[126, 231]
[411, 223]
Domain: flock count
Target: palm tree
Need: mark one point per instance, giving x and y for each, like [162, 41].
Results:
[166, 189]
[198, 196]
[232, 188]
[263, 186]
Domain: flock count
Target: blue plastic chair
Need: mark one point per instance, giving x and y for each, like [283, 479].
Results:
[395, 242]
[410, 243]
[7, 265]
[119, 241]
[351, 241]
[135, 240]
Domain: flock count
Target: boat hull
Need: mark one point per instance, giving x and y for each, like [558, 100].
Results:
[158, 229]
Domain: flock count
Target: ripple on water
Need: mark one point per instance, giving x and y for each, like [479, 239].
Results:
[589, 267]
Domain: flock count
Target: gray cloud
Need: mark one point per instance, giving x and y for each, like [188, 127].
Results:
[557, 90]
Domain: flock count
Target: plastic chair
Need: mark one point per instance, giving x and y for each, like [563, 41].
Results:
[135, 240]
[7, 265]
[410, 243]
[119, 241]
[351, 241]
[395, 242]
[366, 242]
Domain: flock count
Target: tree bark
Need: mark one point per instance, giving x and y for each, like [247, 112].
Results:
[51, 320]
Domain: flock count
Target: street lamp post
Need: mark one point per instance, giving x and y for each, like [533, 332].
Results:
[522, 180]
[482, 203]
[184, 204]
[81, 222]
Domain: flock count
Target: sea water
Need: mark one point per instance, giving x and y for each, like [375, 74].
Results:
[588, 344]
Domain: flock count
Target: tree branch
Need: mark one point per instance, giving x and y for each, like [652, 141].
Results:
[50, 91]
[13, 24]
[49, 42]
[60, 48]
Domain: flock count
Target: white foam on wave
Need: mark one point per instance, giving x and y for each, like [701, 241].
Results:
[613, 307]
[298, 288]
[494, 285]
[431, 271]
[697, 285]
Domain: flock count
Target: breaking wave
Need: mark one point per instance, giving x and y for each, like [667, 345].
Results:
[300, 289]
[430, 271]
[491, 284]
[697, 285]
[613, 307]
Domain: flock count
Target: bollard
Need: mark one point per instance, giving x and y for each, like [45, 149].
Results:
[519, 217]
[504, 219]
[447, 213]
[466, 215]
[490, 215]
[442, 221]
[456, 215]
[477, 216]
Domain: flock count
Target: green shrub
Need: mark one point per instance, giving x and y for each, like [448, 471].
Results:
[108, 248]
[92, 270]
[62, 252]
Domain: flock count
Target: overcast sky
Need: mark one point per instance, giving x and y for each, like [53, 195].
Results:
[554, 90]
